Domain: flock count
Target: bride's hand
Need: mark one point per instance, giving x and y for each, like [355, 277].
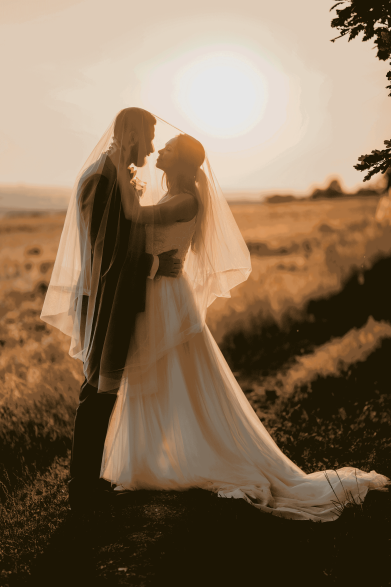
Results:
[138, 186]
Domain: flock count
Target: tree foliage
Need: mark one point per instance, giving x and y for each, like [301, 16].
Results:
[373, 19]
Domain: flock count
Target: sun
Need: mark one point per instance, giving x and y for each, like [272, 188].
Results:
[223, 94]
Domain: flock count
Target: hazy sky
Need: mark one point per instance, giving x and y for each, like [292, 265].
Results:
[277, 105]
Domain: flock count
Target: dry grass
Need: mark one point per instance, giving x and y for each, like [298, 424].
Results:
[301, 251]
[313, 320]
[192, 538]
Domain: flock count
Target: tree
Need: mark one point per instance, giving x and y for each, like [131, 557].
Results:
[373, 19]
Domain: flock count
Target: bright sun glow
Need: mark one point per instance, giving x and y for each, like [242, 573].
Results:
[224, 94]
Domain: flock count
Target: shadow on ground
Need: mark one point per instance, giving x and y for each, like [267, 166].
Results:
[267, 346]
[195, 538]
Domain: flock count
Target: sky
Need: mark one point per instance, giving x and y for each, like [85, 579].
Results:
[279, 108]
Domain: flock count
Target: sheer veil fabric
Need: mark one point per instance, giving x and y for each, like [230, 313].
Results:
[98, 284]
[96, 287]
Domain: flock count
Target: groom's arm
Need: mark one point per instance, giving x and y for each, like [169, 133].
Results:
[92, 199]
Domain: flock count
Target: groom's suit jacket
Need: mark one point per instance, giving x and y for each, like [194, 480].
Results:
[118, 285]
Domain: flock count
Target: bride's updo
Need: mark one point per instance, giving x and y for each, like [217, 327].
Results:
[189, 177]
[190, 157]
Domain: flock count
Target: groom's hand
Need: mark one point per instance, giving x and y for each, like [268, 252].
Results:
[169, 266]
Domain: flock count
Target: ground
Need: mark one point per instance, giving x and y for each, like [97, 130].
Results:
[308, 338]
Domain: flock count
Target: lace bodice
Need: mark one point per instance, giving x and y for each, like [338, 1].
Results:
[164, 237]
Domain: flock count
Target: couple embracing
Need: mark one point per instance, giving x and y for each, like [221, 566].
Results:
[149, 242]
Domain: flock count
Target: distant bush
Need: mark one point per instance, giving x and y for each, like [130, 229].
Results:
[277, 199]
[334, 190]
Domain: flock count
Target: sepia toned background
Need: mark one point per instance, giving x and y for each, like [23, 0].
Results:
[277, 105]
[284, 114]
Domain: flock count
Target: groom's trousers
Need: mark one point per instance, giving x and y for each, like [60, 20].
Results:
[91, 423]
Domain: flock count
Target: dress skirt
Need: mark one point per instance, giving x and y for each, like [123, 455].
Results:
[196, 428]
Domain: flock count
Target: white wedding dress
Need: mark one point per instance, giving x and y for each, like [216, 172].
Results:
[188, 423]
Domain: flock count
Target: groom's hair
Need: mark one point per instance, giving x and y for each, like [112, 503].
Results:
[135, 119]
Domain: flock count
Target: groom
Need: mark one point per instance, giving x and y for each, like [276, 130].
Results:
[118, 288]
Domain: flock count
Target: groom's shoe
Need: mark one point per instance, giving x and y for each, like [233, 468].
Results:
[86, 498]
[105, 485]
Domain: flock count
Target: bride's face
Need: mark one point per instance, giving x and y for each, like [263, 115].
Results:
[168, 156]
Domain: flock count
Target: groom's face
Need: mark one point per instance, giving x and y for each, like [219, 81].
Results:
[144, 147]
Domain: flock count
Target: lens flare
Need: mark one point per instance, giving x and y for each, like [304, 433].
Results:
[224, 94]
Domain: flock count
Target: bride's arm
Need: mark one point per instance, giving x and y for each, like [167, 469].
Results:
[179, 208]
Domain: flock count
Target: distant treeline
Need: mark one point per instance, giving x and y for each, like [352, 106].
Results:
[334, 190]
[32, 198]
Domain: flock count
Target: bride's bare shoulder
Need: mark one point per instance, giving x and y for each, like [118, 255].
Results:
[188, 205]
[187, 198]
[179, 208]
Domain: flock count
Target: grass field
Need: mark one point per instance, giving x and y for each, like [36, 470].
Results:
[308, 337]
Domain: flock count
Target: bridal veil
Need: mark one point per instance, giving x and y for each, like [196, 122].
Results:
[97, 287]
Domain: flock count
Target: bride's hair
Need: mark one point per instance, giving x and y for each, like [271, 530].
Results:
[191, 155]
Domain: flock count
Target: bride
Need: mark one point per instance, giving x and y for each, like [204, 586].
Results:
[180, 419]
